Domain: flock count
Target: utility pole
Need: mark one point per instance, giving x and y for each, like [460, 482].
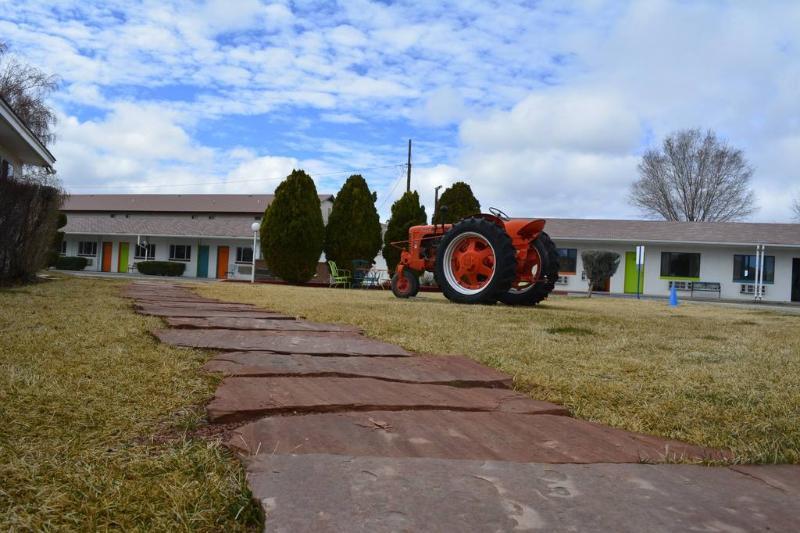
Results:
[408, 168]
[436, 201]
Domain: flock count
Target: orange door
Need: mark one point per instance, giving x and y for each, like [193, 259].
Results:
[107, 248]
[222, 262]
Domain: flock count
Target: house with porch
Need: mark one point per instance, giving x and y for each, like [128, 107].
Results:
[727, 260]
[18, 145]
[210, 233]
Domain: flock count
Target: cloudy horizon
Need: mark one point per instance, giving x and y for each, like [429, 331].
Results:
[544, 110]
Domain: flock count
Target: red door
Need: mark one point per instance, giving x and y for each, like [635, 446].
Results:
[222, 262]
[107, 249]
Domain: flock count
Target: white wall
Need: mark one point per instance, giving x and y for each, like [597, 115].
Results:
[716, 265]
[162, 251]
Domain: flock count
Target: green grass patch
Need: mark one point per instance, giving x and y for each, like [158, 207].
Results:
[648, 368]
[87, 399]
[570, 330]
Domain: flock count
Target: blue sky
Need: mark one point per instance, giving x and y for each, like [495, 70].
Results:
[543, 107]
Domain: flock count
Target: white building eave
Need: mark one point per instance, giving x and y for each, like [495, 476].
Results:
[42, 156]
[674, 243]
[106, 234]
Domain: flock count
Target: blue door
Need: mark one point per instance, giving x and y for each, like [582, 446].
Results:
[202, 262]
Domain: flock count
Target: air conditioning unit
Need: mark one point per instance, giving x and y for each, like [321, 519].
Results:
[89, 261]
[244, 270]
[750, 289]
[562, 280]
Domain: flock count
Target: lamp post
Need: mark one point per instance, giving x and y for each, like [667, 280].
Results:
[255, 226]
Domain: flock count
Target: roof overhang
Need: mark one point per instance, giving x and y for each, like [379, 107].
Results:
[674, 243]
[21, 141]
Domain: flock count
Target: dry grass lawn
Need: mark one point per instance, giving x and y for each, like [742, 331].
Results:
[83, 389]
[718, 376]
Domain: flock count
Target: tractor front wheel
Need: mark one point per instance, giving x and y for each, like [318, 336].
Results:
[405, 284]
[475, 262]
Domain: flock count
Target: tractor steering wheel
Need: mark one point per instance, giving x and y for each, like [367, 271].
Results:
[498, 213]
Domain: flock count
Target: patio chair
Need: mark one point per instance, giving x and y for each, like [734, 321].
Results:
[360, 270]
[339, 276]
[372, 279]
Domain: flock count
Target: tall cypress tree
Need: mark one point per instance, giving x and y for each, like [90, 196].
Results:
[292, 230]
[406, 212]
[460, 203]
[354, 228]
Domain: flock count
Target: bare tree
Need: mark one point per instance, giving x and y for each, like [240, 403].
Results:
[796, 208]
[26, 88]
[694, 177]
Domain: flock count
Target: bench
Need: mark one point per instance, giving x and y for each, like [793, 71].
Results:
[706, 286]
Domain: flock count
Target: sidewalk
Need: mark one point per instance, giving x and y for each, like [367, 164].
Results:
[340, 432]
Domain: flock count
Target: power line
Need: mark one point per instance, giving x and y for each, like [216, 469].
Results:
[388, 196]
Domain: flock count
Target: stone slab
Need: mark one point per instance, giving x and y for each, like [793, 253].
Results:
[783, 477]
[153, 300]
[211, 306]
[314, 343]
[460, 435]
[256, 324]
[326, 493]
[242, 398]
[444, 370]
[157, 310]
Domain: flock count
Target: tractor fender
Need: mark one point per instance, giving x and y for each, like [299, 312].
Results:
[491, 218]
[532, 229]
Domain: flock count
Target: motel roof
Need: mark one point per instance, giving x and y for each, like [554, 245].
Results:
[173, 203]
[660, 231]
[221, 215]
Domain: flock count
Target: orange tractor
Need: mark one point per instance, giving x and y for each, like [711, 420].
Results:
[481, 259]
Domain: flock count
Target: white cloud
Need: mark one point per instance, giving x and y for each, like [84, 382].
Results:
[553, 104]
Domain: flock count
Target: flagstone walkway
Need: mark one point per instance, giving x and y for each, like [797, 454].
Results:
[340, 432]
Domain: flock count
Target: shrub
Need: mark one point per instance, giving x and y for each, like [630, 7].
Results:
[71, 263]
[354, 228]
[58, 238]
[599, 266]
[292, 230]
[161, 268]
[28, 219]
[460, 203]
[406, 212]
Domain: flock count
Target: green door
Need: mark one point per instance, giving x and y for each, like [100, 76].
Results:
[202, 262]
[631, 274]
[122, 262]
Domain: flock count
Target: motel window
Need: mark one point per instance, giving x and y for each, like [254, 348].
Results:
[680, 265]
[63, 248]
[180, 252]
[244, 254]
[567, 260]
[87, 248]
[744, 268]
[145, 252]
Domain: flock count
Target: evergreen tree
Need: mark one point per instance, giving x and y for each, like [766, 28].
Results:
[354, 228]
[460, 203]
[406, 212]
[58, 238]
[292, 230]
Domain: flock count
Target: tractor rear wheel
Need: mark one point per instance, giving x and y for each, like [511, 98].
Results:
[545, 277]
[405, 285]
[475, 262]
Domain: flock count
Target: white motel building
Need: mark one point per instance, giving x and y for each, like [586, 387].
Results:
[212, 235]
